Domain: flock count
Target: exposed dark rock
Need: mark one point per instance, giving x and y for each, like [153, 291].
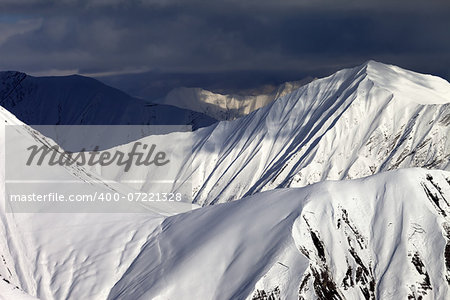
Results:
[437, 187]
[447, 252]
[317, 242]
[359, 237]
[304, 251]
[319, 245]
[420, 267]
[348, 279]
[270, 295]
[303, 284]
[324, 285]
[433, 198]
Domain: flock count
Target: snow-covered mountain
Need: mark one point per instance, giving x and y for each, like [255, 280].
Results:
[368, 238]
[354, 123]
[65, 255]
[386, 236]
[382, 237]
[77, 100]
[223, 106]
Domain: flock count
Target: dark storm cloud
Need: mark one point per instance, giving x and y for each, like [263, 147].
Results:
[311, 37]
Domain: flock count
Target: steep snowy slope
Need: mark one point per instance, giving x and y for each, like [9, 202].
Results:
[66, 255]
[382, 237]
[226, 107]
[74, 100]
[354, 123]
[8, 291]
[356, 239]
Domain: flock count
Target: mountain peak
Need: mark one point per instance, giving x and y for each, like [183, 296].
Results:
[371, 118]
[409, 85]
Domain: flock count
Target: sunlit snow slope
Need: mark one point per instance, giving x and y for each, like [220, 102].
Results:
[355, 123]
[68, 255]
[386, 236]
[226, 106]
[382, 237]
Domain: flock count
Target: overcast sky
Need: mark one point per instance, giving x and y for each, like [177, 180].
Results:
[105, 37]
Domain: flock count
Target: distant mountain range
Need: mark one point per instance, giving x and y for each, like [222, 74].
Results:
[227, 107]
[78, 100]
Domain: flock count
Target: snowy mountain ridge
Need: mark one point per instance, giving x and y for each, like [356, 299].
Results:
[232, 106]
[419, 88]
[361, 239]
[354, 123]
[79, 100]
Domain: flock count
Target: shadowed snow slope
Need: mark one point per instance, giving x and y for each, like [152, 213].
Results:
[75, 100]
[381, 237]
[352, 124]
